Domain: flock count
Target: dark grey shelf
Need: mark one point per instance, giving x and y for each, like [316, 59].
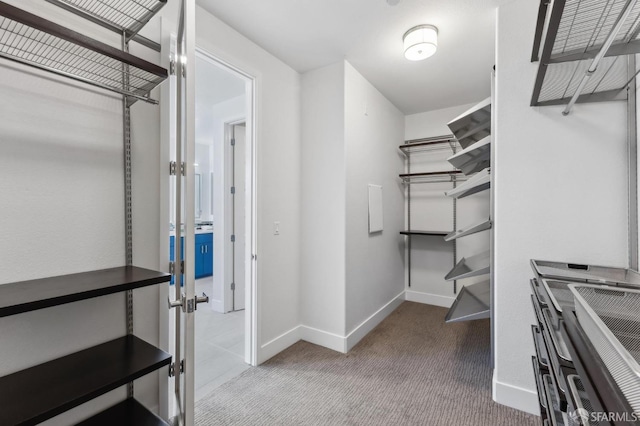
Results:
[426, 233]
[24, 296]
[127, 413]
[38, 393]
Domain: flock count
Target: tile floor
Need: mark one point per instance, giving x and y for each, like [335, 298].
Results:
[219, 345]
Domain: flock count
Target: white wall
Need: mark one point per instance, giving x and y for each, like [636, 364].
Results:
[432, 257]
[350, 279]
[432, 123]
[64, 209]
[278, 179]
[322, 301]
[374, 128]
[560, 194]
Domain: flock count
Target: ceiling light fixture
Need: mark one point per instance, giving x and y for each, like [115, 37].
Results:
[420, 42]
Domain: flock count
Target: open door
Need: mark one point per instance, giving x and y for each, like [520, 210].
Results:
[182, 299]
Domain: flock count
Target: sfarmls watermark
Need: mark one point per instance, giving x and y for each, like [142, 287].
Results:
[585, 417]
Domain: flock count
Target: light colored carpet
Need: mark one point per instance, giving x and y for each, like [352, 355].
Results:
[413, 369]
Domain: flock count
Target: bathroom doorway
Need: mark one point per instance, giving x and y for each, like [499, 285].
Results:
[224, 333]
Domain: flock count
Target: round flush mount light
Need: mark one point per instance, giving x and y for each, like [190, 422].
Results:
[420, 42]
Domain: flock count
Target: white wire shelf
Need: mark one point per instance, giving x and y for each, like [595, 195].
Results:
[123, 16]
[569, 35]
[34, 41]
[472, 303]
[470, 230]
[473, 266]
[481, 181]
[472, 125]
[474, 158]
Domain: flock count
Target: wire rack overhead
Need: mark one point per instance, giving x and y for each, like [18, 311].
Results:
[585, 24]
[125, 16]
[570, 36]
[34, 41]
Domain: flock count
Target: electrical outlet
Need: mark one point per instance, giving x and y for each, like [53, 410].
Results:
[276, 228]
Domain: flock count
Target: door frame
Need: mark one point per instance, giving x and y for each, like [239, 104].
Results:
[250, 225]
[229, 210]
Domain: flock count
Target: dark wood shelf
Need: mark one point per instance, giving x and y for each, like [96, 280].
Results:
[24, 296]
[127, 413]
[38, 393]
[433, 233]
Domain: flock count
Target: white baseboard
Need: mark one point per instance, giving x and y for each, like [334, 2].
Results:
[323, 338]
[516, 397]
[370, 323]
[277, 345]
[429, 299]
[328, 340]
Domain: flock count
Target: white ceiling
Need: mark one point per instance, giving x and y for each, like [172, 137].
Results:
[308, 34]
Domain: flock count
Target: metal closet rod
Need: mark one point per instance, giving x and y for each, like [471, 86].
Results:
[433, 177]
[603, 51]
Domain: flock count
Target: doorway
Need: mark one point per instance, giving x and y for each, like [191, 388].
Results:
[224, 334]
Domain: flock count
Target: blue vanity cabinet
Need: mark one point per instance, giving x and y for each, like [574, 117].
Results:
[203, 254]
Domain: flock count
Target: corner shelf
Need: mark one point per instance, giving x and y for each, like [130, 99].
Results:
[474, 158]
[38, 393]
[470, 230]
[24, 296]
[424, 233]
[479, 182]
[36, 42]
[571, 35]
[473, 303]
[475, 265]
[472, 125]
[127, 413]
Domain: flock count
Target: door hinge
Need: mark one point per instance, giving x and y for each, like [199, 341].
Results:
[233, 238]
[172, 268]
[172, 368]
[233, 286]
[183, 169]
[233, 189]
[182, 266]
[172, 168]
[233, 141]
[172, 67]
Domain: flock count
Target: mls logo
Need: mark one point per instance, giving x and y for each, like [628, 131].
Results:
[580, 416]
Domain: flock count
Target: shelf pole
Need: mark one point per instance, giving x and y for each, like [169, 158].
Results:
[632, 158]
[603, 51]
[128, 214]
